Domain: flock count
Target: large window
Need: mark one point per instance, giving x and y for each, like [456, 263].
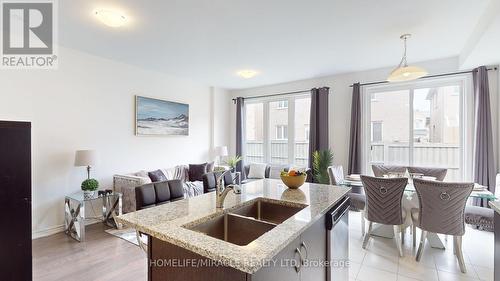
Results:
[277, 130]
[418, 124]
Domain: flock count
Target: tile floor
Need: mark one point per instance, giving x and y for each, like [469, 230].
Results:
[380, 260]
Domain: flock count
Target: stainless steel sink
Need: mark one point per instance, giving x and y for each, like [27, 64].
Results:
[242, 225]
[233, 228]
[269, 211]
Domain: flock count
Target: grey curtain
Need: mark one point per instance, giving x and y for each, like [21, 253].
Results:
[355, 135]
[318, 126]
[483, 169]
[240, 108]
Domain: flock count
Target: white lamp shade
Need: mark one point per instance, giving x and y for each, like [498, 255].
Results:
[85, 158]
[221, 151]
[406, 73]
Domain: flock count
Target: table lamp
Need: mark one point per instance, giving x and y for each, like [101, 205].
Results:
[86, 158]
[220, 151]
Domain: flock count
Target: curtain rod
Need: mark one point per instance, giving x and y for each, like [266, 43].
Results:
[428, 76]
[275, 95]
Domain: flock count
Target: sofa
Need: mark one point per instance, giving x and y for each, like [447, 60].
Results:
[210, 180]
[158, 193]
[126, 184]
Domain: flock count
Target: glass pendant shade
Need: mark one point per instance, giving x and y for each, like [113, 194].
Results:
[406, 73]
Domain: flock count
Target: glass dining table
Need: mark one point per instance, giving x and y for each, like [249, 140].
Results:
[479, 191]
[386, 231]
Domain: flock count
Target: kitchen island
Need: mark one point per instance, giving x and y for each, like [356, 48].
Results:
[267, 232]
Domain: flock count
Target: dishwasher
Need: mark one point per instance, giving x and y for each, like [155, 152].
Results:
[337, 227]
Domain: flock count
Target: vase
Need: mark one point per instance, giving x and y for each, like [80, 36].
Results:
[87, 194]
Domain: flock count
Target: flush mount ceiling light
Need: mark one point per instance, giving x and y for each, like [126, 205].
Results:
[247, 73]
[404, 72]
[111, 18]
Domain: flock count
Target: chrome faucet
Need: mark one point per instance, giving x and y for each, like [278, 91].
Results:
[221, 191]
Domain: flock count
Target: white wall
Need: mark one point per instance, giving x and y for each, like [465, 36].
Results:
[220, 100]
[340, 99]
[88, 103]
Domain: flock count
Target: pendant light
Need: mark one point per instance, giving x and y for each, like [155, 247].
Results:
[404, 72]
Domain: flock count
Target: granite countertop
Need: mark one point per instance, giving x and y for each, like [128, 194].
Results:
[495, 205]
[166, 222]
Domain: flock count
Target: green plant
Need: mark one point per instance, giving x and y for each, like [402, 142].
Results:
[321, 161]
[219, 169]
[90, 185]
[233, 160]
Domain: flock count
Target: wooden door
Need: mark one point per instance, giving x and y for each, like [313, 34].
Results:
[15, 201]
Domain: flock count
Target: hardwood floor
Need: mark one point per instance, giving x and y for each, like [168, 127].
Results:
[102, 257]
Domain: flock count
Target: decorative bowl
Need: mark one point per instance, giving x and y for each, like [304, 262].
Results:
[293, 182]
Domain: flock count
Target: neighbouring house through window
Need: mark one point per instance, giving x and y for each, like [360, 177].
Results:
[277, 130]
[281, 132]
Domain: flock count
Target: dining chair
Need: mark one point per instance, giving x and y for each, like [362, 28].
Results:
[482, 217]
[358, 199]
[381, 170]
[438, 173]
[441, 211]
[383, 205]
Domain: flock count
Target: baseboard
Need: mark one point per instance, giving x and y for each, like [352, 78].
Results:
[47, 232]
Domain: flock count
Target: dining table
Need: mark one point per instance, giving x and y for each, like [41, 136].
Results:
[410, 200]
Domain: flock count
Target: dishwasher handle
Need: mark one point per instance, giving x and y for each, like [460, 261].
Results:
[334, 215]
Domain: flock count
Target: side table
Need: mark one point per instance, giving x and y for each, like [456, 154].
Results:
[74, 212]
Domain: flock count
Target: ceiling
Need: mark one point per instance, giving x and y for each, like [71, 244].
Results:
[285, 40]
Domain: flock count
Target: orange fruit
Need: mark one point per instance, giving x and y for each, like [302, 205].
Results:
[292, 173]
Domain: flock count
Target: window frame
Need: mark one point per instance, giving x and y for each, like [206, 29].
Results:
[466, 116]
[267, 130]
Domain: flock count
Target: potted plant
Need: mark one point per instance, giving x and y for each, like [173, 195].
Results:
[321, 161]
[89, 186]
[233, 161]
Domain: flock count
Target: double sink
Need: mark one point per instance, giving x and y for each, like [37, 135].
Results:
[243, 224]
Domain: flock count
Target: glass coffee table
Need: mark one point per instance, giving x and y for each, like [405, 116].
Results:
[74, 212]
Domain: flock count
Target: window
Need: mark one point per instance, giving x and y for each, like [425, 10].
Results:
[281, 132]
[418, 124]
[283, 104]
[277, 130]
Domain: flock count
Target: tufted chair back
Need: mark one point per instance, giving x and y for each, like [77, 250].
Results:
[442, 206]
[383, 199]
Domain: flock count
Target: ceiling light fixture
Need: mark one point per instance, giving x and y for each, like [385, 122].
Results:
[404, 72]
[247, 73]
[111, 18]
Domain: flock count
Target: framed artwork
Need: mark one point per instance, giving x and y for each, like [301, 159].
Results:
[160, 117]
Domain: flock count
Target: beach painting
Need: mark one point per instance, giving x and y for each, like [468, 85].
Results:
[161, 117]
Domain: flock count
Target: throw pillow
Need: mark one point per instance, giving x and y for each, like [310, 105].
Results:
[257, 171]
[156, 176]
[196, 171]
[275, 171]
[144, 176]
[210, 166]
